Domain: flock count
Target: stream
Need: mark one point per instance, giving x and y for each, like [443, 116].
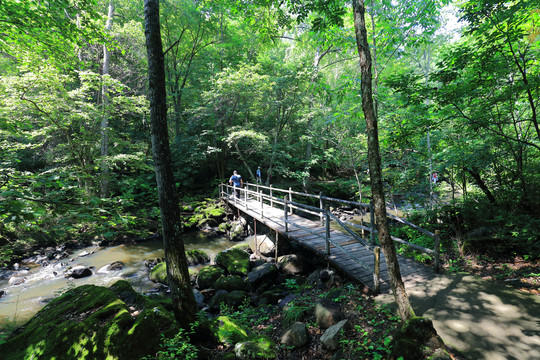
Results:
[44, 283]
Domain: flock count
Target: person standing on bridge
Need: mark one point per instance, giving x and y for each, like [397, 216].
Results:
[237, 182]
[258, 175]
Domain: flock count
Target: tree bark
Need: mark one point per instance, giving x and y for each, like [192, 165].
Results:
[481, 184]
[374, 159]
[185, 307]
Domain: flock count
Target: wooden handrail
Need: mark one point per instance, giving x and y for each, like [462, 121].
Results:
[325, 215]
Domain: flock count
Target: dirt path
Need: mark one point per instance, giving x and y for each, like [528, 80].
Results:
[479, 318]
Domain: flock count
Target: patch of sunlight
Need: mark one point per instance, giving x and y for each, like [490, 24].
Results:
[34, 352]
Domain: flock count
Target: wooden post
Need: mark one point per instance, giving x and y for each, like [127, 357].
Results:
[437, 249]
[376, 270]
[321, 206]
[262, 203]
[227, 187]
[362, 223]
[271, 197]
[372, 222]
[255, 229]
[327, 231]
[277, 241]
[285, 210]
[246, 196]
[290, 199]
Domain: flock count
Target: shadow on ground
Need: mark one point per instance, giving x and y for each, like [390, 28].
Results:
[479, 318]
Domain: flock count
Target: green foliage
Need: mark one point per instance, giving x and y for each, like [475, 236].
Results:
[178, 347]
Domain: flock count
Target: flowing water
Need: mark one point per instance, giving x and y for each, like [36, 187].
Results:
[42, 284]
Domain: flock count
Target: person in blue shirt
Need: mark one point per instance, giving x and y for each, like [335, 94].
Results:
[258, 175]
[237, 182]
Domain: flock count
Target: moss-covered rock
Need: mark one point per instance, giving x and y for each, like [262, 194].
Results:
[158, 274]
[228, 331]
[416, 338]
[208, 275]
[236, 298]
[224, 228]
[236, 261]
[196, 257]
[230, 283]
[93, 322]
[207, 212]
[256, 349]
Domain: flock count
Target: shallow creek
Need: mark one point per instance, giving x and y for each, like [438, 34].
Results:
[42, 284]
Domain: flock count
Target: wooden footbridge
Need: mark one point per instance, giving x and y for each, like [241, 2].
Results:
[343, 244]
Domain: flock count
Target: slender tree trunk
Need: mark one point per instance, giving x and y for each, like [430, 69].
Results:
[244, 160]
[183, 299]
[481, 184]
[374, 159]
[105, 119]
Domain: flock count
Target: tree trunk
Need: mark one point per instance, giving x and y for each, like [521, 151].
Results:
[481, 184]
[105, 119]
[183, 299]
[244, 161]
[374, 159]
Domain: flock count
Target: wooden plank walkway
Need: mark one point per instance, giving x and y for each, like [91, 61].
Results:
[411, 271]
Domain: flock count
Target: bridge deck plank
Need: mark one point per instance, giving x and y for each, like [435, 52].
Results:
[314, 240]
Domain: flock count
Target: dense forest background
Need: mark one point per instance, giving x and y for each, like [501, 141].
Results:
[271, 84]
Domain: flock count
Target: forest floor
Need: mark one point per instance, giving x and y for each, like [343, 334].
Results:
[518, 271]
[368, 337]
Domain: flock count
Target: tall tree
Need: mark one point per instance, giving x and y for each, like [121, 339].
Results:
[374, 160]
[183, 299]
[105, 119]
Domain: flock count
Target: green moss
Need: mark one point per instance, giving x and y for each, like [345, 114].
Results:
[208, 275]
[159, 273]
[203, 212]
[92, 322]
[230, 283]
[236, 261]
[258, 348]
[195, 257]
[227, 331]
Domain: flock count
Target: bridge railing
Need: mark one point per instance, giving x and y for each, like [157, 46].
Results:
[268, 195]
[247, 197]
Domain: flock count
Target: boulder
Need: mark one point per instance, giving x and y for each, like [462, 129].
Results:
[327, 313]
[208, 275]
[265, 244]
[227, 331]
[220, 297]
[293, 264]
[196, 257]
[230, 283]
[158, 274]
[271, 296]
[235, 298]
[257, 349]
[261, 274]
[237, 231]
[114, 266]
[79, 271]
[16, 280]
[331, 337]
[416, 338]
[199, 298]
[93, 322]
[236, 261]
[296, 336]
